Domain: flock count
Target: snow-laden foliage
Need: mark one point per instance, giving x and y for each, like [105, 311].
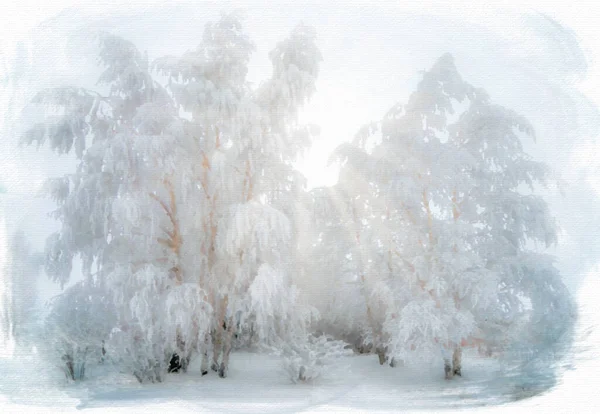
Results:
[436, 225]
[196, 234]
[180, 207]
[75, 329]
[309, 360]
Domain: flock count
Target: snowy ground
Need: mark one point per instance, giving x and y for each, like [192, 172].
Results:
[257, 384]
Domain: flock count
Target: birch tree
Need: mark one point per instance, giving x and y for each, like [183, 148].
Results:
[453, 218]
[179, 205]
[246, 142]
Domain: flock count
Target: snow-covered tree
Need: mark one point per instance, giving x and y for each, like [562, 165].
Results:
[194, 228]
[247, 141]
[449, 219]
[119, 209]
[176, 202]
[495, 192]
[20, 271]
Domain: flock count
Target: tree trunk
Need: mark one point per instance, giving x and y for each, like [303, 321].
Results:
[396, 362]
[381, 353]
[457, 361]
[448, 373]
[103, 351]
[217, 344]
[227, 338]
[180, 359]
[204, 365]
[81, 373]
[175, 363]
[302, 374]
[69, 366]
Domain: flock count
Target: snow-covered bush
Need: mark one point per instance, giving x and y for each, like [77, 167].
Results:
[309, 360]
[144, 355]
[75, 330]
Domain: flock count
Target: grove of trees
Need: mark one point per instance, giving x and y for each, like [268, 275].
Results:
[197, 235]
